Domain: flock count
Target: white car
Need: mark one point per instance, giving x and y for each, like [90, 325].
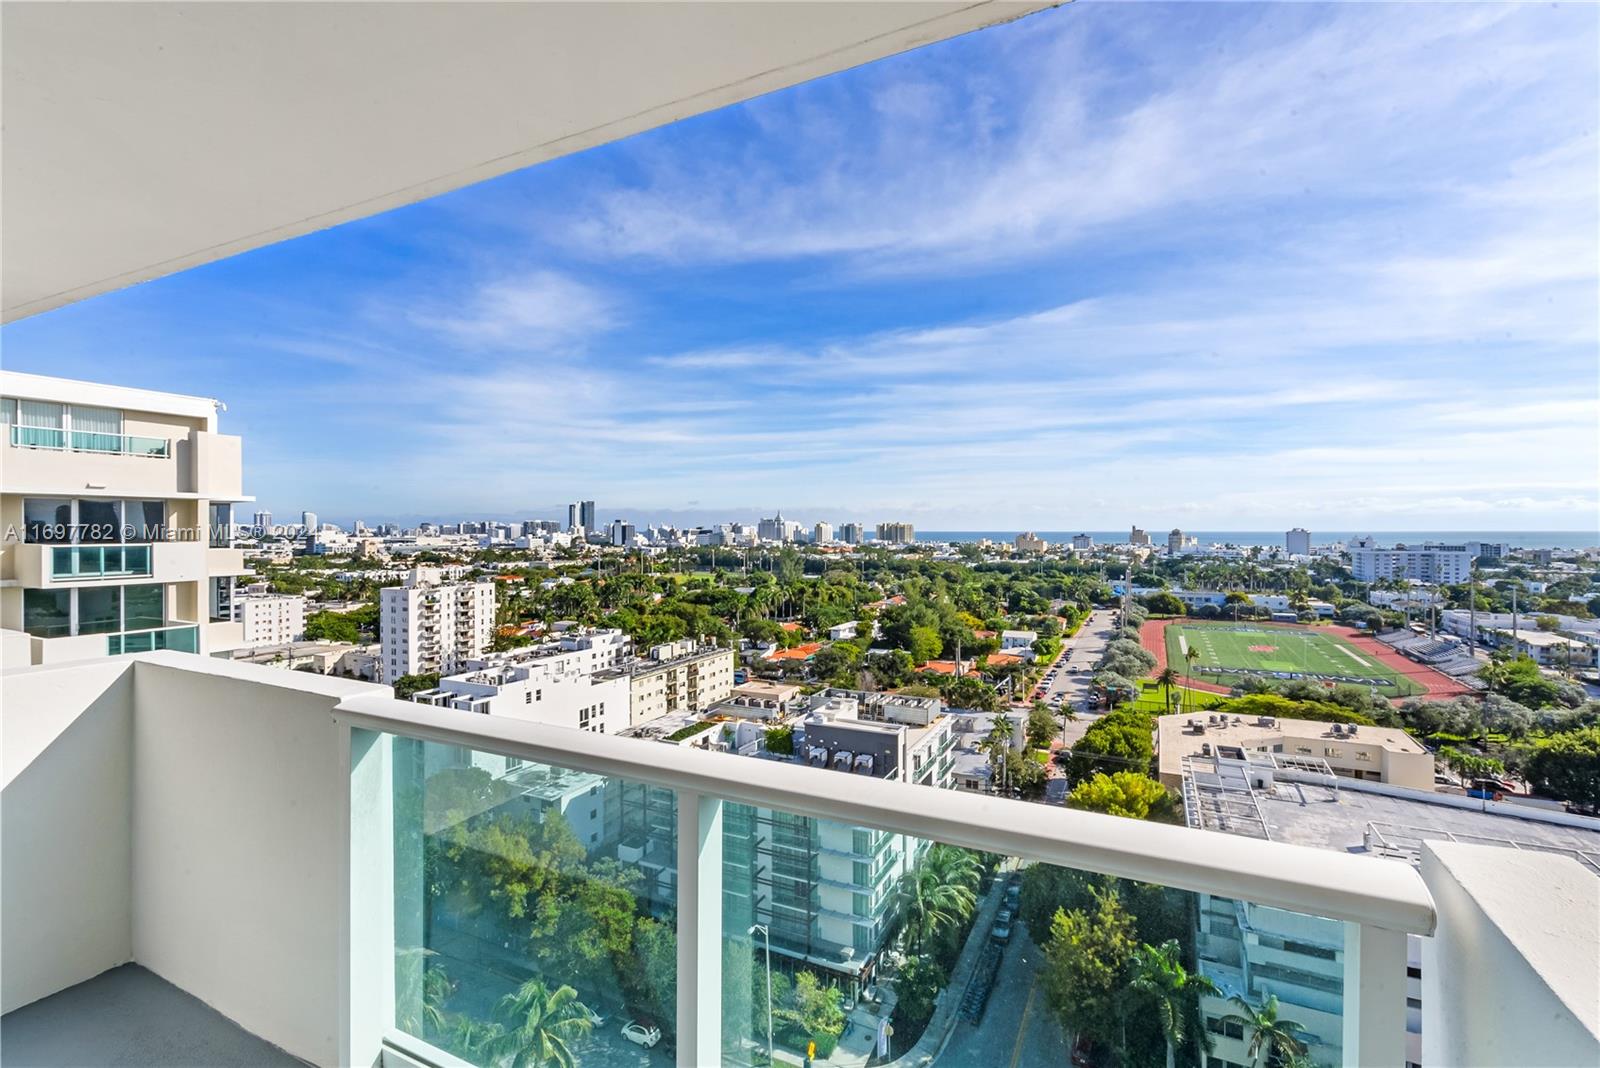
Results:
[596, 1019]
[641, 1034]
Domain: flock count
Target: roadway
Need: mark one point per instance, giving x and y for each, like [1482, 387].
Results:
[1018, 1030]
[1081, 651]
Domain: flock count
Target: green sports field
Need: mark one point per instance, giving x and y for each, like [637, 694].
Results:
[1229, 652]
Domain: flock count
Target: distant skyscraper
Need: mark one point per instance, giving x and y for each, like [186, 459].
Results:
[1138, 537]
[1298, 542]
[822, 532]
[897, 533]
[621, 532]
[774, 529]
[308, 520]
[586, 515]
[1082, 542]
[1175, 542]
[850, 533]
[263, 521]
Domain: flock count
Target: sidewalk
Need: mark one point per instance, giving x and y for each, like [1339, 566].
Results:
[948, 1012]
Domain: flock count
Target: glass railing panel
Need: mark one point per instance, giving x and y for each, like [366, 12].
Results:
[534, 912]
[139, 446]
[972, 959]
[184, 639]
[39, 437]
[97, 561]
[90, 441]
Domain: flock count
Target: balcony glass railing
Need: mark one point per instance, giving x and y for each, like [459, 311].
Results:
[180, 639]
[38, 437]
[1038, 956]
[99, 561]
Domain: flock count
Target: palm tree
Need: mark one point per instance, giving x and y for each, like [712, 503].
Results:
[1159, 974]
[541, 1025]
[423, 990]
[1269, 1034]
[998, 742]
[939, 893]
[1167, 680]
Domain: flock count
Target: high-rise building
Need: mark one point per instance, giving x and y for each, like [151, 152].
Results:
[1082, 542]
[774, 529]
[1029, 542]
[586, 515]
[429, 627]
[1297, 542]
[262, 522]
[897, 533]
[1175, 542]
[622, 532]
[1430, 562]
[123, 500]
[822, 533]
[1138, 537]
[308, 520]
[850, 533]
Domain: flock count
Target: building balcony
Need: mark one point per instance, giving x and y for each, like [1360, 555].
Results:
[193, 464]
[42, 566]
[256, 838]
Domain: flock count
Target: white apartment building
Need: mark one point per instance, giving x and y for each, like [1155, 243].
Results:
[1082, 543]
[1029, 542]
[430, 626]
[897, 533]
[1372, 754]
[117, 510]
[822, 533]
[679, 676]
[850, 533]
[553, 688]
[270, 618]
[1297, 542]
[1430, 563]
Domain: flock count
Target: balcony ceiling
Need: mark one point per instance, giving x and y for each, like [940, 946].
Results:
[143, 139]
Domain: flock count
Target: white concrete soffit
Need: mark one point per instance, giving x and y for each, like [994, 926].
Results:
[141, 139]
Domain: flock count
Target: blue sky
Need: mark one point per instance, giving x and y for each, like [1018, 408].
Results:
[1219, 266]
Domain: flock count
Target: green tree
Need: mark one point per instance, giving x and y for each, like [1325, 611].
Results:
[1167, 679]
[541, 1027]
[1041, 726]
[1160, 978]
[1122, 793]
[938, 894]
[1086, 967]
[925, 644]
[406, 685]
[332, 627]
[1567, 765]
[1271, 1036]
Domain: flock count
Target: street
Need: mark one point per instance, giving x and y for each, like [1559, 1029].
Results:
[1018, 1030]
[1078, 658]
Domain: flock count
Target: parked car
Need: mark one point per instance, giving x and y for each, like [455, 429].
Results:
[597, 1020]
[1001, 931]
[642, 1034]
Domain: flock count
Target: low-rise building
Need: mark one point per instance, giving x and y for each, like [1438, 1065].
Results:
[270, 618]
[1374, 754]
[679, 676]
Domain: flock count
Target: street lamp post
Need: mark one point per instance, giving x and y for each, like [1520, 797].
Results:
[766, 937]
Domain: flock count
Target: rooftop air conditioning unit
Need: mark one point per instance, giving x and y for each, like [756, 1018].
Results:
[1351, 730]
[1205, 749]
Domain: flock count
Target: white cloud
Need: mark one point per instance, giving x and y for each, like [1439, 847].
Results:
[526, 310]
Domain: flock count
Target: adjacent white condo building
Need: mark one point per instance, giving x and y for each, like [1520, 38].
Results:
[1430, 562]
[117, 511]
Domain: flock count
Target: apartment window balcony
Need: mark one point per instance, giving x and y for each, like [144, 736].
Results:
[39, 437]
[110, 561]
[184, 638]
[351, 956]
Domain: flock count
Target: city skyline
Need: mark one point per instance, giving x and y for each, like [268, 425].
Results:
[1225, 268]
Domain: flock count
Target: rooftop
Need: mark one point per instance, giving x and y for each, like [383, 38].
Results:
[1175, 739]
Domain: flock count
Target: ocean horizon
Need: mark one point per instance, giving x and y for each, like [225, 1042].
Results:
[1517, 539]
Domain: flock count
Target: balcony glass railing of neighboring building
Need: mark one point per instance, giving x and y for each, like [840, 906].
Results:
[42, 437]
[99, 561]
[522, 913]
[179, 639]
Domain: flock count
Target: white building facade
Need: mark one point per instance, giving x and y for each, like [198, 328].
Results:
[429, 626]
[1430, 563]
[118, 510]
[270, 618]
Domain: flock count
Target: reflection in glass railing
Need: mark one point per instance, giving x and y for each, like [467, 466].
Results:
[182, 639]
[534, 910]
[976, 959]
[97, 561]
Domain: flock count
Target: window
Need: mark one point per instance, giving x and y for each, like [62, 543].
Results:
[99, 521]
[221, 598]
[46, 520]
[96, 429]
[99, 610]
[146, 520]
[47, 613]
[1362, 754]
[222, 526]
[1333, 753]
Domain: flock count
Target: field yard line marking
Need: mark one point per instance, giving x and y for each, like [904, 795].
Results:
[1351, 653]
[1022, 1028]
[1183, 645]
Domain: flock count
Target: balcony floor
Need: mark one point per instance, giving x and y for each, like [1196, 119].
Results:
[129, 1016]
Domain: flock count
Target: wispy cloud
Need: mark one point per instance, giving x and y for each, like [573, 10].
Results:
[528, 310]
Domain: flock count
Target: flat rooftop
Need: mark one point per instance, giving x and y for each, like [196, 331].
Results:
[1174, 739]
[1355, 821]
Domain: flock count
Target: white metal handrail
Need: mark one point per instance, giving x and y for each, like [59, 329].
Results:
[1371, 892]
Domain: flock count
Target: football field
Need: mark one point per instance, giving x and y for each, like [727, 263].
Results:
[1228, 652]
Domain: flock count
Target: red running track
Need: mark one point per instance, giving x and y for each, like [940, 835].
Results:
[1436, 684]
